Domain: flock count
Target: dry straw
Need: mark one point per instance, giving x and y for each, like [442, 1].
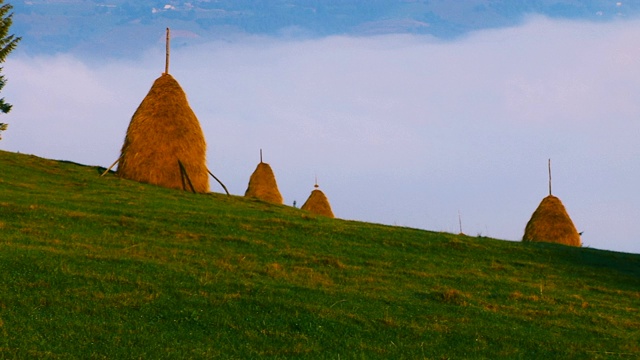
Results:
[551, 223]
[164, 144]
[263, 186]
[318, 203]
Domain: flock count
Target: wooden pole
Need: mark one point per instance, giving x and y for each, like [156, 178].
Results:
[166, 59]
[549, 176]
[184, 184]
[112, 165]
[219, 182]
[260, 156]
[184, 175]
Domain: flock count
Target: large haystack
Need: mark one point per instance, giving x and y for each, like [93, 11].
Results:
[551, 223]
[263, 186]
[318, 203]
[164, 134]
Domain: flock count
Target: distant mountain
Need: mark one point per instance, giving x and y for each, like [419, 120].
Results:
[121, 28]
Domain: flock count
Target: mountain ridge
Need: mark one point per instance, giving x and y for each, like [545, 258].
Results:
[50, 26]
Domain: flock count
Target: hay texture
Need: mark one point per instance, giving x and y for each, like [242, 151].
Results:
[551, 223]
[263, 186]
[163, 132]
[318, 203]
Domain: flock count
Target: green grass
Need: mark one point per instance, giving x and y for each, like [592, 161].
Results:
[100, 267]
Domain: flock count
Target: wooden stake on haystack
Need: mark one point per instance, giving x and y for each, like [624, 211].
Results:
[219, 182]
[549, 176]
[166, 59]
[112, 165]
[261, 156]
[184, 175]
[166, 71]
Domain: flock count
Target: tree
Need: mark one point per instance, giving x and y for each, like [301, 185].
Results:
[3, 127]
[7, 44]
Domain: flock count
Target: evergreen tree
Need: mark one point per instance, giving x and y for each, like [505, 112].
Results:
[7, 44]
[3, 127]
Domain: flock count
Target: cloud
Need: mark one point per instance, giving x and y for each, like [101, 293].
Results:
[399, 129]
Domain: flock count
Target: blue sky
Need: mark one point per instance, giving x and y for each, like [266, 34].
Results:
[401, 129]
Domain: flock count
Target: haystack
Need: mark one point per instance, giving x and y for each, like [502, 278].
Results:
[164, 144]
[551, 223]
[263, 186]
[318, 203]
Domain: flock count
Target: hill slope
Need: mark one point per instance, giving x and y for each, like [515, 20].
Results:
[101, 267]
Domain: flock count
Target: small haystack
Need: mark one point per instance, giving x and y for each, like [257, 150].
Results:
[318, 203]
[164, 144]
[551, 223]
[262, 184]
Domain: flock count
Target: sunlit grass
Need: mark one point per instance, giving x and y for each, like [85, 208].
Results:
[99, 267]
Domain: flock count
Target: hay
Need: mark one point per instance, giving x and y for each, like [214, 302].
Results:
[318, 203]
[551, 223]
[163, 132]
[263, 186]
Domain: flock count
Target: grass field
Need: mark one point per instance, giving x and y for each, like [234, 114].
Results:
[100, 267]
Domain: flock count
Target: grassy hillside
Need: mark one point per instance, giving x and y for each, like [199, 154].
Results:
[100, 267]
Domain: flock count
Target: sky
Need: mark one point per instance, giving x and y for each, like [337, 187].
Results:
[405, 130]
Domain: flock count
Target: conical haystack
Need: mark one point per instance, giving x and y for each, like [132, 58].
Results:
[551, 223]
[318, 203]
[164, 144]
[263, 186]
